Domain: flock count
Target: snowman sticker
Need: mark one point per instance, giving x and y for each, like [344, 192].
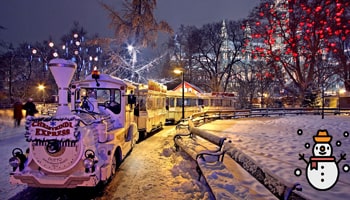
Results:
[322, 170]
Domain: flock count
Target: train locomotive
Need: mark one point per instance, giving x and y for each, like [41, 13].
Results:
[85, 141]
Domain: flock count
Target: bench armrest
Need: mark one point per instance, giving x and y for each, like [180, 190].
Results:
[219, 154]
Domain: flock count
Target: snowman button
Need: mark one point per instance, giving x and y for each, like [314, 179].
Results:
[322, 180]
[322, 174]
[322, 167]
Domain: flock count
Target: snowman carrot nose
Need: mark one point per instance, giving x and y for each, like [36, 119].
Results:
[322, 148]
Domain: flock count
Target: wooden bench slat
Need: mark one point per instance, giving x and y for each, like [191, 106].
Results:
[219, 179]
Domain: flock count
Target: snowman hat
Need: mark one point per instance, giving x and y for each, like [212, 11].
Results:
[322, 136]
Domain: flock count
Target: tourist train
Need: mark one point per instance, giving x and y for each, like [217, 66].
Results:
[196, 102]
[80, 145]
[86, 139]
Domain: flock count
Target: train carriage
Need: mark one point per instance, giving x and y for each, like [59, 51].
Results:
[218, 101]
[150, 113]
[174, 105]
[199, 102]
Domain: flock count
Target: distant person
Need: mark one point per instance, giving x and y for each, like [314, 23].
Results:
[131, 99]
[17, 112]
[30, 107]
[137, 110]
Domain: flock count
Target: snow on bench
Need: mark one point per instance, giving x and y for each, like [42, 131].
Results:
[218, 177]
[277, 186]
[193, 140]
[209, 162]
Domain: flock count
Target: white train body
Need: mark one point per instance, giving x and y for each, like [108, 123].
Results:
[150, 113]
[81, 145]
[194, 103]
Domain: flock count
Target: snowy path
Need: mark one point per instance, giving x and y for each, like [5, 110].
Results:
[155, 171]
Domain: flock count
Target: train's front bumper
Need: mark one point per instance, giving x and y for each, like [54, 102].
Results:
[45, 181]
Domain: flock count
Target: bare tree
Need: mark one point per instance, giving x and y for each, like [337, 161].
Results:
[209, 53]
[137, 23]
[135, 27]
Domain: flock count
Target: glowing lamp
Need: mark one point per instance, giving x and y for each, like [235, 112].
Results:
[95, 73]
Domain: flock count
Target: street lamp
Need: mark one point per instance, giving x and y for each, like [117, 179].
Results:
[177, 71]
[42, 88]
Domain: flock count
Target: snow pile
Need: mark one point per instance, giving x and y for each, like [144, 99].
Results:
[274, 145]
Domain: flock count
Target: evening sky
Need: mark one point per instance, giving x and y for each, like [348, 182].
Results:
[36, 20]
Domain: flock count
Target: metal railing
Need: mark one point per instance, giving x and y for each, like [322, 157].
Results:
[206, 116]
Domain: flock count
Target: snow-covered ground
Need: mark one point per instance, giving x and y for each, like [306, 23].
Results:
[155, 171]
[272, 142]
[275, 145]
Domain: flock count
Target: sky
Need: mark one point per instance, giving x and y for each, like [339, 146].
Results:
[37, 20]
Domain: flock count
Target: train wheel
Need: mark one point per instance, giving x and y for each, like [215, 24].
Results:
[142, 136]
[114, 166]
[116, 162]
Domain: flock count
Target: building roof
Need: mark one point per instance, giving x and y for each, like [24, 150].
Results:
[188, 87]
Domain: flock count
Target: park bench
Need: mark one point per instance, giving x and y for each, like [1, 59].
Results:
[219, 178]
[190, 139]
[210, 164]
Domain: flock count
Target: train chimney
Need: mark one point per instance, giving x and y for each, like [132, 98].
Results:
[63, 71]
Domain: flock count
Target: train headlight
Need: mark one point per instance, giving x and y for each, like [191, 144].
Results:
[89, 161]
[14, 162]
[18, 159]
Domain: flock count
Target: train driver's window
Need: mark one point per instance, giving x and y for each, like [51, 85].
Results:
[115, 106]
[103, 95]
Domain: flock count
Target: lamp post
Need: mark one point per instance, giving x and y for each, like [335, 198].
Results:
[177, 71]
[42, 88]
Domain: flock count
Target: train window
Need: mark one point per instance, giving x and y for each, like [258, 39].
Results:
[149, 104]
[115, 100]
[142, 104]
[171, 102]
[205, 102]
[109, 98]
[179, 102]
[200, 102]
[103, 96]
[193, 102]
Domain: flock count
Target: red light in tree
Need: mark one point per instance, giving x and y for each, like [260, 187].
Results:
[318, 9]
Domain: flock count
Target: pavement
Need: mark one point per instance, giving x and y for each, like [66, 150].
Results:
[8, 131]
[7, 128]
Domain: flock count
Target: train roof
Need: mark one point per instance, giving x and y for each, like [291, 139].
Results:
[104, 80]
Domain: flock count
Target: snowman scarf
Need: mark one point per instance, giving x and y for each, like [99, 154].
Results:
[315, 159]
